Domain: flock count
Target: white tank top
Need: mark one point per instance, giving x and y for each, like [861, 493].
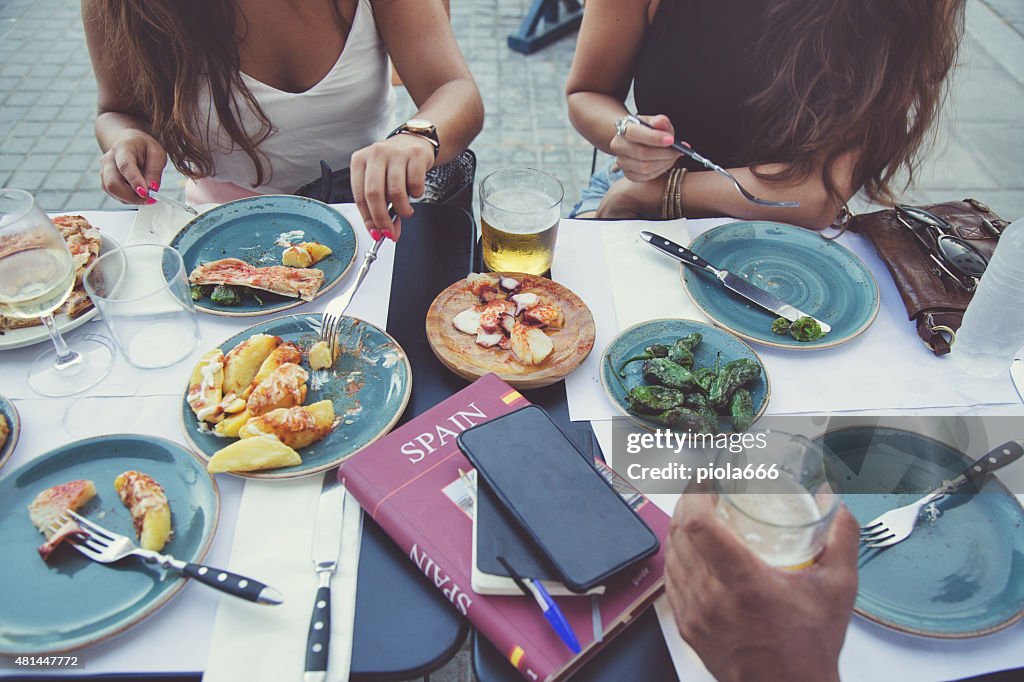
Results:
[350, 108]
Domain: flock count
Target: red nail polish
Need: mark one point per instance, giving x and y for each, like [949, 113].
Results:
[141, 191]
[150, 201]
[153, 184]
[389, 235]
[374, 235]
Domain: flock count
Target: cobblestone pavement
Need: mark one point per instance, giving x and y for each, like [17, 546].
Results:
[47, 102]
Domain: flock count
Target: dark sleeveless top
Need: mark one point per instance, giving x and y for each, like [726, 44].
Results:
[695, 66]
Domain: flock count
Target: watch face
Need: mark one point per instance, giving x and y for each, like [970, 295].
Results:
[418, 125]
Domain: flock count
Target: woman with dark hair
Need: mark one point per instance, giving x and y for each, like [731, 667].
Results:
[806, 100]
[246, 97]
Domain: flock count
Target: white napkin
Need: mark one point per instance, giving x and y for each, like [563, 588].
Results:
[159, 223]
[273, 543]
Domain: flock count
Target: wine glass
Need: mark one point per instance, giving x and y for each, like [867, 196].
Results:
[37, 274]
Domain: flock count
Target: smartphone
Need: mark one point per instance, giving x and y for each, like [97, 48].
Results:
[554, 493]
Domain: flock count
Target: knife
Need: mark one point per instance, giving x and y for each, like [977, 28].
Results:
[766, 300]
[326, 546]
[1017, 374]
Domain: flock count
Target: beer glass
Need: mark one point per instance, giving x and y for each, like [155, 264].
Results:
[777, 498]
[519, 213]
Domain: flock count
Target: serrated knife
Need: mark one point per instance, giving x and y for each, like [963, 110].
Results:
[752, 293]
[326, 547]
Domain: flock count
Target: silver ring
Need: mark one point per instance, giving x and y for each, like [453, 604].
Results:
[620, 125]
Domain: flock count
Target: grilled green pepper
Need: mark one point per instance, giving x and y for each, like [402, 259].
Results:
[699, 404]
[806, 329]
[224, 294]
[781, 326]
[667, 373]
[682, 350]
[742, 410]
[703, 378]
[732, 376]
[681, 418]
[654, 399]
[655, 350]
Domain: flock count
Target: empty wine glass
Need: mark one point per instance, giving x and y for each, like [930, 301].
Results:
[37, 274]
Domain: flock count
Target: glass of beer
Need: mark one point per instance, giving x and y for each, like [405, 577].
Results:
[777, 499]
[519, 213]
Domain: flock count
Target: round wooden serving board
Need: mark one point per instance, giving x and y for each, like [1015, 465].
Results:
[459, 352]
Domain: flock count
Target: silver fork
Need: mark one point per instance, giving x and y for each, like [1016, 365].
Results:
[106, 546]
[896, 525]
[712, 166]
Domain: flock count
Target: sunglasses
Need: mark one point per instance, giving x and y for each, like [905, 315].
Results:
[960, 260]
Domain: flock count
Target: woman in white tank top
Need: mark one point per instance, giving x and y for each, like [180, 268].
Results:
[246, 97]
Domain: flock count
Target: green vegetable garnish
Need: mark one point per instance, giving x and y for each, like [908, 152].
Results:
[806, 329]
[197, 291]
[667, 373]
[224, 294]
[655, 350]
[781, 326]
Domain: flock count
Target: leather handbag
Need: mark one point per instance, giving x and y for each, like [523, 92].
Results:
[934, 302]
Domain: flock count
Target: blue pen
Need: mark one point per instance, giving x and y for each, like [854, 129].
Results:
[554, 615]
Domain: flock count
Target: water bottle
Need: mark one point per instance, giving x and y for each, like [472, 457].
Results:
[993, 327]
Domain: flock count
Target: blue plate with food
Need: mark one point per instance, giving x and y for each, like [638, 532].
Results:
[960, 574]
[10, 429]
[67, 601]
[818, 276]
[685, 375]
[265, 254]
[270, 402]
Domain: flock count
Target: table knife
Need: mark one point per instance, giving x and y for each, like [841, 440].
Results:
[1017, 374]
[752, 293]
[326, 546]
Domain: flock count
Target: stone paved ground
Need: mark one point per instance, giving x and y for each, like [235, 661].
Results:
[47, 99]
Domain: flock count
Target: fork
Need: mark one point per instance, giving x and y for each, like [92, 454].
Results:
[712, 166]
[896, 525]
[335, 310]
[106, 546]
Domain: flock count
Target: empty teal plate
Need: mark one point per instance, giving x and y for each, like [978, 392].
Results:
[71, 601]
[250, 229]
[369, 385]
[10, 414]
[961, 575]
[816, 275]
[632, 342]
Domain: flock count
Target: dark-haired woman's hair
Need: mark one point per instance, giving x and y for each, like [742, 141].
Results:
[863, 76]
[173, 49]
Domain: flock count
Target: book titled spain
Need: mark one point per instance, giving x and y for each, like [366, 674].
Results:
[409, 482]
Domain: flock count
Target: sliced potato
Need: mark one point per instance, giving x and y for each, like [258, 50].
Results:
[228, 428]
[320, 356]
[244, 360]
[253, 454]
[205, 386]
[284, 387]
[296, 426]
[283, 354]
[147, 502]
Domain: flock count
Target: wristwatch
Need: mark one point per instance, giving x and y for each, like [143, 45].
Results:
[420, 128]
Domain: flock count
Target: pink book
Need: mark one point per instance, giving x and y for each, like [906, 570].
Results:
[409, 483]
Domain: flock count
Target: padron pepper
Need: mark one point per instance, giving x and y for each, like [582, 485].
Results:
[683, 350]
[732, 376]
[654, 399]
[699, 404]
[667, 373]
[681, 418]
[655, 350]
[741, 407]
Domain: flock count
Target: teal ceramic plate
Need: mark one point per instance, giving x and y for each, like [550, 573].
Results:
[71, 601]
[250, 229]
[632, 342]
[369, 386]
[960, 575]
[816, 275]
[10, 415]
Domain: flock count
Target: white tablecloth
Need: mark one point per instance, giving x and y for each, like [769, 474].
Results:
[177, 637]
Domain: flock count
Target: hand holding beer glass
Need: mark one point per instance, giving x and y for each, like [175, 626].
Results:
[519, 213]
[785, 516]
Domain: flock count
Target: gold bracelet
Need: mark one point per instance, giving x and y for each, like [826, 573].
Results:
[677, 194]
[666, 197]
